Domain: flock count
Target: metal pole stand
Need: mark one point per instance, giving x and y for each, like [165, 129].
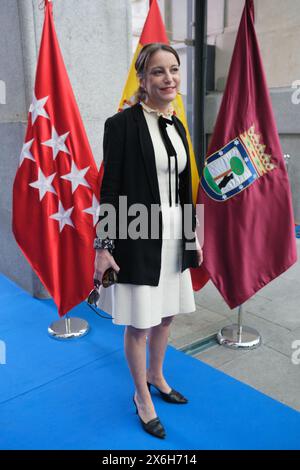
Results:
[238, 336]
[67, 328]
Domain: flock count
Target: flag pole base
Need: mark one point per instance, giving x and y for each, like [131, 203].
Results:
[237, 337]
[68, 328]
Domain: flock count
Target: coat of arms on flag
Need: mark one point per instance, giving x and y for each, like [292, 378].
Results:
[235, 166]
[249, 225]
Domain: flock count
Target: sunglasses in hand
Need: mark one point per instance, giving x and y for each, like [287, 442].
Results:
[109, 277]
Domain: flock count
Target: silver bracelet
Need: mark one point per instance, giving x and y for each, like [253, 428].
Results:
[105, 243]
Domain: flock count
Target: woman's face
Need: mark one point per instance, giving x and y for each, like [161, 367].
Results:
[162, 78]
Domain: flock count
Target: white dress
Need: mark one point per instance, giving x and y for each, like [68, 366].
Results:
[143, 306]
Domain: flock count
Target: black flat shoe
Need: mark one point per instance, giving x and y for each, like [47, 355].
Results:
[154, 426]
[172, 397]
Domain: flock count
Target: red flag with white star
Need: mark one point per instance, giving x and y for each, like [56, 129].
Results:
[56, 185]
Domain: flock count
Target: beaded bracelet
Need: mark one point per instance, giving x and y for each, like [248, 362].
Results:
[105, 243]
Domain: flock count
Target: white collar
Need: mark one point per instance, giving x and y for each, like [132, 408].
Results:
[168, 114]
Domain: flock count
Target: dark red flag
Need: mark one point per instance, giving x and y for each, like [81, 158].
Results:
[249, 234]
[56, 188]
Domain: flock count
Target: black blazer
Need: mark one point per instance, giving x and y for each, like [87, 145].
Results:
[130, 170]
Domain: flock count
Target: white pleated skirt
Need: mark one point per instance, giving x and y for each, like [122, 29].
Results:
[143, 306]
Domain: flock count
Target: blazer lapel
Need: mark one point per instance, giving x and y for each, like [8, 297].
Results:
[185, 178]
[147, 151]
[181, 132]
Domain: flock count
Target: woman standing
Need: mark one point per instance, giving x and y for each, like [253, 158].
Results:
[146, 159]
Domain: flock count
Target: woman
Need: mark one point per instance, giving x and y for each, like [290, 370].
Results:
[154, 281]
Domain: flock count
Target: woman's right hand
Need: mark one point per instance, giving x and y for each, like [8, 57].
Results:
[103, 261]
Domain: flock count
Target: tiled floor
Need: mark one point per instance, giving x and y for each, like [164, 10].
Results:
[275, 312]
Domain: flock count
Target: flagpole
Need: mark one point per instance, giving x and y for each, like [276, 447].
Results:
[200, 65]
[237, 336]
[68, 328]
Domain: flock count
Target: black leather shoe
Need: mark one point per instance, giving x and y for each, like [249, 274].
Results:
[172, 397]
[154, 426]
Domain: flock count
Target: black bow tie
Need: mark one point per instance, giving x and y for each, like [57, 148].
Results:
[166, 121]
[162, 123]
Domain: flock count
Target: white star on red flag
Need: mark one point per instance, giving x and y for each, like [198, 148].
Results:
[43, 184]
[76, 177]
[26, 153]
[63, 216]
[57, 143]
[37, 108]
[93, 210]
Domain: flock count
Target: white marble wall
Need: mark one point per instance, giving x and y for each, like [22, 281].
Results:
[278, 28]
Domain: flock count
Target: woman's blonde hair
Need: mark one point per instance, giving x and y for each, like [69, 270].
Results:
[142, 61]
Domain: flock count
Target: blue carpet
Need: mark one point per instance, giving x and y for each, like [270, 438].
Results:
[78, 394]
